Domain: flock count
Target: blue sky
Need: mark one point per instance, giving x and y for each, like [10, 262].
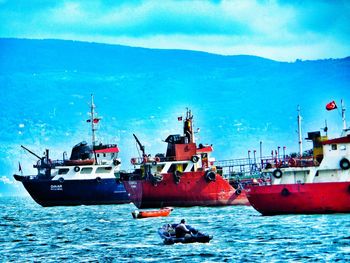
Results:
[280, 30]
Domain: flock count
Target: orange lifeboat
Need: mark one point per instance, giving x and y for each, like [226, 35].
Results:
[152, 213]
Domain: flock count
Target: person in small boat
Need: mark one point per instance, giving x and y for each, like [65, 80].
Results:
[181, 230]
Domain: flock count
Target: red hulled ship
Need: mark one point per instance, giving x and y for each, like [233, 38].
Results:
[184, 176]
[314, 184]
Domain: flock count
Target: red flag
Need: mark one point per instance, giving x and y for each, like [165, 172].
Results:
[331, 105]
[96, 120]
[179, 118]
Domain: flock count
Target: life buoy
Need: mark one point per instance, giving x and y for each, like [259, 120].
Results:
[133, 160]
[194, 158]
[61, 180]
[210, 176]
[116, 162]
[76, 169]
[157, 159]
[344, 164]
[98, 179]
[277, 173]
[238, 192]
[154, 163]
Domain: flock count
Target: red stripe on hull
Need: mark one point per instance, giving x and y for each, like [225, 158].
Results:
[315, 198]
[192, 190]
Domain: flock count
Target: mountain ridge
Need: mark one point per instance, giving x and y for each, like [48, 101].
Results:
[237, 101]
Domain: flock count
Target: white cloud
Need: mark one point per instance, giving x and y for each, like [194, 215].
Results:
[5, 180]
[280, 30]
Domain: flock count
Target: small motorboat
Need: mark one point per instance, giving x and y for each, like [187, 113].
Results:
[168, 234]
[152, 213]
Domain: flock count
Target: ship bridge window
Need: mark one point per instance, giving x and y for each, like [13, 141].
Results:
[63, 171]
[174, 139]
[334, 147]
[86, 170]
[102, 170]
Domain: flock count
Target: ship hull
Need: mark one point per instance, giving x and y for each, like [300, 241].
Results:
[192, 190]
[312, 198]
[75, 192]
[241, 199]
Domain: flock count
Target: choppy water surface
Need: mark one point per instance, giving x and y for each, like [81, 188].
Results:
[29, 232]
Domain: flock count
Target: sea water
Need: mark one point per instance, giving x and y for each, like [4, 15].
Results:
[108, 233]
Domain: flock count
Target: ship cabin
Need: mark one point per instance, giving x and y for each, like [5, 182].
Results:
[85, 160]
[336, 153]
[330, 163]
[84, 154]
[181, 157]
[106, 153]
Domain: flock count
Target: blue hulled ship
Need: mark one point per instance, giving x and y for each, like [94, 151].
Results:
[86, 178]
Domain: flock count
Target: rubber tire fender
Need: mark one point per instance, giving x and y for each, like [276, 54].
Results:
[285, 192]
[344, 164]
[177, 176]
[210, 176]
[277, 173]
[194, 158]
[76, 169]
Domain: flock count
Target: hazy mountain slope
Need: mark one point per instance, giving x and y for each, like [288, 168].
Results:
[237, 101]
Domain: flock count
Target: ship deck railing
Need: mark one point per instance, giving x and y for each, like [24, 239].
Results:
[288, 161]
[253, 167]
[238, 167]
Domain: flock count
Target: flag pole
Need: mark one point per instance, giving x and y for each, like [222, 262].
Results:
[299, 133]
[93, 129]
[343, 116]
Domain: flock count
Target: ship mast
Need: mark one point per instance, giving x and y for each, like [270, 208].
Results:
[92, 120]
[343, 117]
[188, 131]
[299, 133]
